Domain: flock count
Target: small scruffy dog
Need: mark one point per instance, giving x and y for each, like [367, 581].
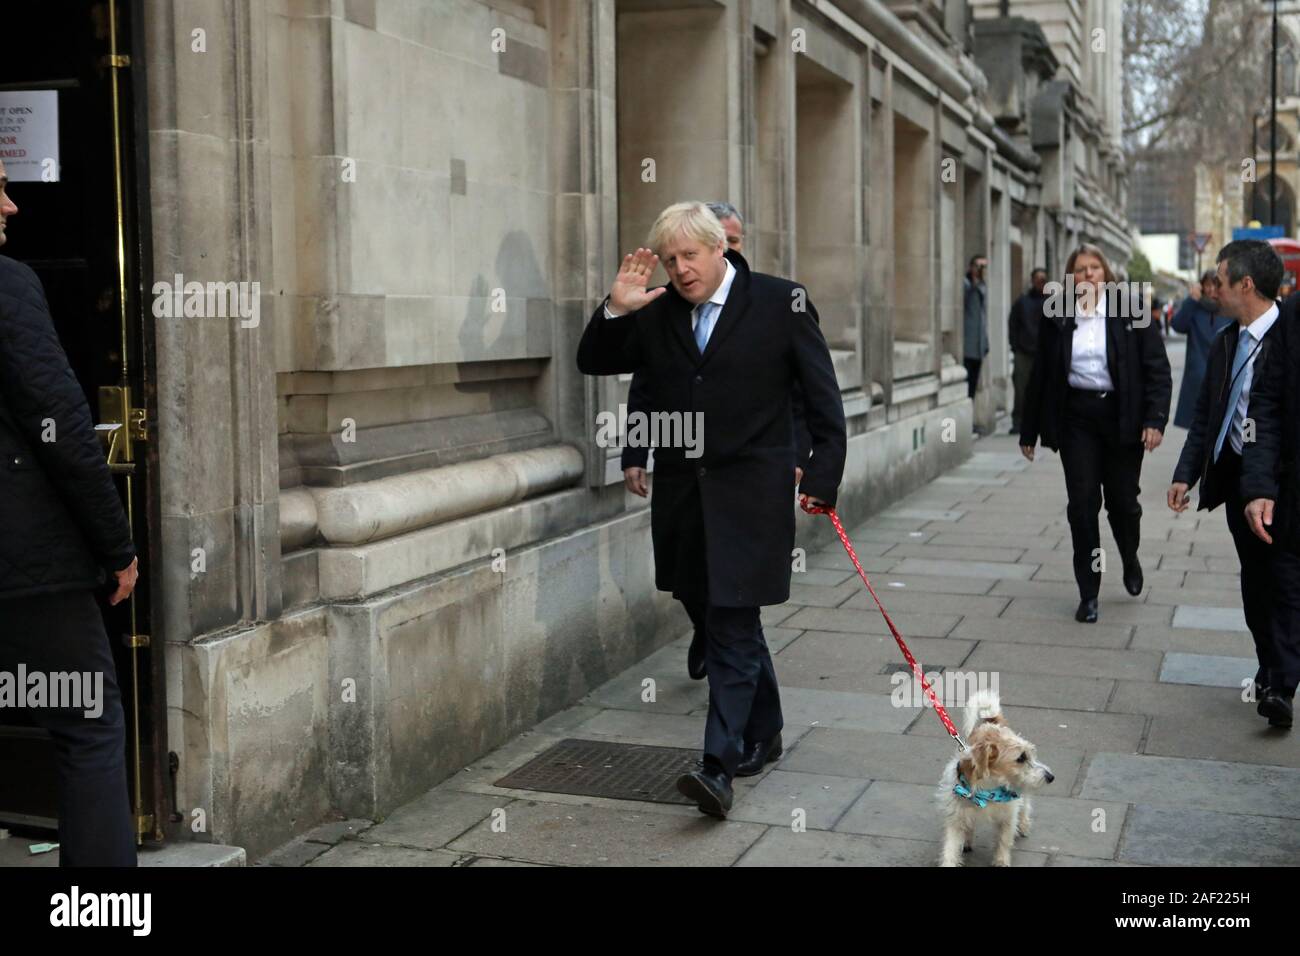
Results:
[991, 781]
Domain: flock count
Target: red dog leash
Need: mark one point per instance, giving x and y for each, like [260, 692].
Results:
[902, 645]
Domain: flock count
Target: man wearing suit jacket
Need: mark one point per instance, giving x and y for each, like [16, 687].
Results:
[728, 345]
[1271, 486]
[1248, 274]
[635, 458]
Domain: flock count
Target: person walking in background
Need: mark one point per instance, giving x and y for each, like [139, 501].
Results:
[1026, 314]
[1199, 319]
[1100, 395]
[975, 326]
[1212, 454]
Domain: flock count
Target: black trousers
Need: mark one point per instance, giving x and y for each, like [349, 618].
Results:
[972, 375]
[1256, 559]
[1284, 650]
[64, 633]
[744, 701]
[1097, 462]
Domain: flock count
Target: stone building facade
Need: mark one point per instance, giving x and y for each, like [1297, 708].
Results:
[414, 546]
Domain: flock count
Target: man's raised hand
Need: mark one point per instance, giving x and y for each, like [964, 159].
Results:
[629, 293]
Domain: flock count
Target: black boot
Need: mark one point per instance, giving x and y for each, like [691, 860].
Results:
[1087, 613]
[1133, 576]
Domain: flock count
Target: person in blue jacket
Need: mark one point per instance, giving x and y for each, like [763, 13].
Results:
[1197, 318]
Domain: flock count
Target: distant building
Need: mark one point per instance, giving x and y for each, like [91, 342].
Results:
[1236, 193]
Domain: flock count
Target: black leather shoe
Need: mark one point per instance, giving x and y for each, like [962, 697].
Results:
[1087, 613]
[1133, 576]
[1277, 708]
[759, 755]
[709, 788]
[695, 656]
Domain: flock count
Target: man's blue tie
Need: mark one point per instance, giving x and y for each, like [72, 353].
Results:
[1244, 343]
[703, 324]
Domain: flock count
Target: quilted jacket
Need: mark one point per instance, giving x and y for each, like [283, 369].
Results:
[62, 525]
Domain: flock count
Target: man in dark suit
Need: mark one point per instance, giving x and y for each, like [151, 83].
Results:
[726, 345]
[636, 458]
[64, 526]
[1218, 431]
[1270, 484]
[1022, 324]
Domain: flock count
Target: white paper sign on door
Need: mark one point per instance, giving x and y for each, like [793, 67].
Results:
[29, 135]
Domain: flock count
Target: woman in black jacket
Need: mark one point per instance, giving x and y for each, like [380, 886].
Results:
[1099, 395]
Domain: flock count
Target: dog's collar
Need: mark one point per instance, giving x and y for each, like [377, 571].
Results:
[983, 798]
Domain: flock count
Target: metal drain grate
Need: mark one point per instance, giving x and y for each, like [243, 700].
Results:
[595, 768]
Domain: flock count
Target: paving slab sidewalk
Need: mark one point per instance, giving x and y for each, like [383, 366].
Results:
[1158, 760]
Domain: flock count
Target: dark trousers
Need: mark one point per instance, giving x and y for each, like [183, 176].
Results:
[1097, 462]
[1256, 559]
[1284, 650]
[744, 701]
[1020, 374]
[64, 633]
[973, 366]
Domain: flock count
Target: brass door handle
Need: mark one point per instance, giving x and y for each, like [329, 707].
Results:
[109, 434]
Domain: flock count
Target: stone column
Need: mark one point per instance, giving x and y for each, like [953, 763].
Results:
[210, 185]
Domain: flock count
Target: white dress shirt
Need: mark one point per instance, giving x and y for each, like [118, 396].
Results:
[719, 296]
[1256, 330]
[1089, 368]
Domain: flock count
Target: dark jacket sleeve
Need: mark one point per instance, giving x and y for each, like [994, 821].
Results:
[802, 438]
[1182, 321]
[823, 407]
[1013, 326]
[609, 346]
[1157, 380]
[1192, 458]
[638, 398]
[1261, 460]
[44, 398]
[1031, 414]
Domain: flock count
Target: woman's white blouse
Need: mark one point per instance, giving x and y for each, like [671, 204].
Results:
[1088, 366]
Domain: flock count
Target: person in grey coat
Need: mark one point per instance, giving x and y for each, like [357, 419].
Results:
[1197, 318]
[975, 325]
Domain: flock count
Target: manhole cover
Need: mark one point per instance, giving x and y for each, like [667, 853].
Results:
[594, 768]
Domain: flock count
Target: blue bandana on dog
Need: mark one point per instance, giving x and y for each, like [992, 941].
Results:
[983, 798]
